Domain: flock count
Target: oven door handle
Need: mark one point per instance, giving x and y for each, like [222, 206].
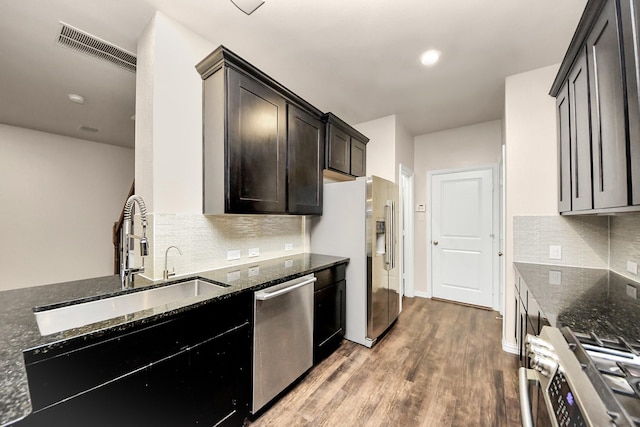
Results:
[525, 378]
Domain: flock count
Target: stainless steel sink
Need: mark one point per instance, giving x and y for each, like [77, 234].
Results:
[81, 314]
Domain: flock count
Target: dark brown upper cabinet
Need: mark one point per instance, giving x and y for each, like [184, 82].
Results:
[263, 147]
[630, 18]
[305, 159]
[346, 148]
[596, 88]
[564, 150]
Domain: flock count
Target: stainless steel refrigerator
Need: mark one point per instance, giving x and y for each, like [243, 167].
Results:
[360, 221]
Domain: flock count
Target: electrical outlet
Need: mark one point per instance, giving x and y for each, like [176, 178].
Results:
[555, 252]
[233, 275]
[632, 267]
[288, 246]
[288, 263]
[253, 252]
[632, 291]
[231, 255]
[254, 271]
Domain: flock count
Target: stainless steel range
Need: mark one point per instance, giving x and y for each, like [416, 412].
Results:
[580, 380]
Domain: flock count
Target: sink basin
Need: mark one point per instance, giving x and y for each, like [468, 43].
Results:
[81, 314]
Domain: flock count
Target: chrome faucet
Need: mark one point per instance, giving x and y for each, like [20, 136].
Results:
[126, 269]
[165, 273]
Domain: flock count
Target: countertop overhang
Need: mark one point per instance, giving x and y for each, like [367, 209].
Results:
[19, 331]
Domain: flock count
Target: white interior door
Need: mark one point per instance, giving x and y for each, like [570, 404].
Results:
[462, 236]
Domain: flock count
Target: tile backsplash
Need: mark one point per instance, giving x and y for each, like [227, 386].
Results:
[624, 237]
[205, 240]
[586, 241]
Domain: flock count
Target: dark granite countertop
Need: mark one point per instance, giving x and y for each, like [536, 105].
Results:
[585, 299]
[19, 330]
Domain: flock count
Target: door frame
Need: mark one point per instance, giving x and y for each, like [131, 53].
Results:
[495, 221]
[407, 257]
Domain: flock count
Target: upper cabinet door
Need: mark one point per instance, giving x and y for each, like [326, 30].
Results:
[564, 150]
[305, 161]
[580, 129]
[358, 158]
[607, 111]
[256, 147]
[630, 15]
[339, 150]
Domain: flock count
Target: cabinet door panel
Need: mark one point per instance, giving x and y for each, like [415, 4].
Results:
[580, 129]
[607, 111]
[305, 161]
[630, 12]
[358, 158]
[329, 319]
[564, 150]
[339, 150]
[256, 147]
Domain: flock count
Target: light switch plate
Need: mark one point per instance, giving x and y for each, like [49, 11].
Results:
[231, 255]
[632, 267]
[253, 252]
[288, 263]
[288, 246]
[632, 291]
[555, 252]
[254, 271]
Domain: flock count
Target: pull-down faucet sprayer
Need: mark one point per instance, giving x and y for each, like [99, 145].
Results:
[126, 269]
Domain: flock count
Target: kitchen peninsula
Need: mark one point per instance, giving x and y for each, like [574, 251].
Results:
[19, 330]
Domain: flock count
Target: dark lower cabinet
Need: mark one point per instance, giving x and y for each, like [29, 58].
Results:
[329, 317]
[190, 370]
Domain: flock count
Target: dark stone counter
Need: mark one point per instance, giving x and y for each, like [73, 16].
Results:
[19, 331]
[585, 299]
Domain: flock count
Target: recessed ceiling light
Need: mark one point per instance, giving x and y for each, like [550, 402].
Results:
[88, 129]
[430, 57]
[78, 99]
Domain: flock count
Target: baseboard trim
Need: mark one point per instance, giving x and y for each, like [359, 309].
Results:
[510, 348]
[422, 294]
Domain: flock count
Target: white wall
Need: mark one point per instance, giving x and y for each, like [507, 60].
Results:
[381, 149]
[461, 147]
[169, 117]
[404, 149]
[531, 176]
[169, 162]
[61, 197]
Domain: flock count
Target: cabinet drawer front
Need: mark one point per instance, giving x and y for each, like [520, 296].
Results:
[329, 276]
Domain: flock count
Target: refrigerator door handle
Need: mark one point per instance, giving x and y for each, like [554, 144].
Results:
[390, 219]
[393, 234]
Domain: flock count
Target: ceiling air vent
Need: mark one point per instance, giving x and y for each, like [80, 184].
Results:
[88, 44]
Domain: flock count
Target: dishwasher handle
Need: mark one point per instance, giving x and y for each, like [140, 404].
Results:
[524, 379]
[266, 295]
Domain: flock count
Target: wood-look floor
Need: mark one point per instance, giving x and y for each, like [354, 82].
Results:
[441, 365]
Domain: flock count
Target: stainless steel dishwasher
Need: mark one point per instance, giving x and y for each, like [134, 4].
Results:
[282, 337]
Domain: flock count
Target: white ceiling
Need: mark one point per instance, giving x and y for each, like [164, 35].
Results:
[356, 58]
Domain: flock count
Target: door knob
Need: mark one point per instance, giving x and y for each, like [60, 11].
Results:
[435, 243]
[499, 253]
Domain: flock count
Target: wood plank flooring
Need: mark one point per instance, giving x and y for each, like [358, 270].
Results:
[441, 365]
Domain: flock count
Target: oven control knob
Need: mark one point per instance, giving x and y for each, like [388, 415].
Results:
[544, 365]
